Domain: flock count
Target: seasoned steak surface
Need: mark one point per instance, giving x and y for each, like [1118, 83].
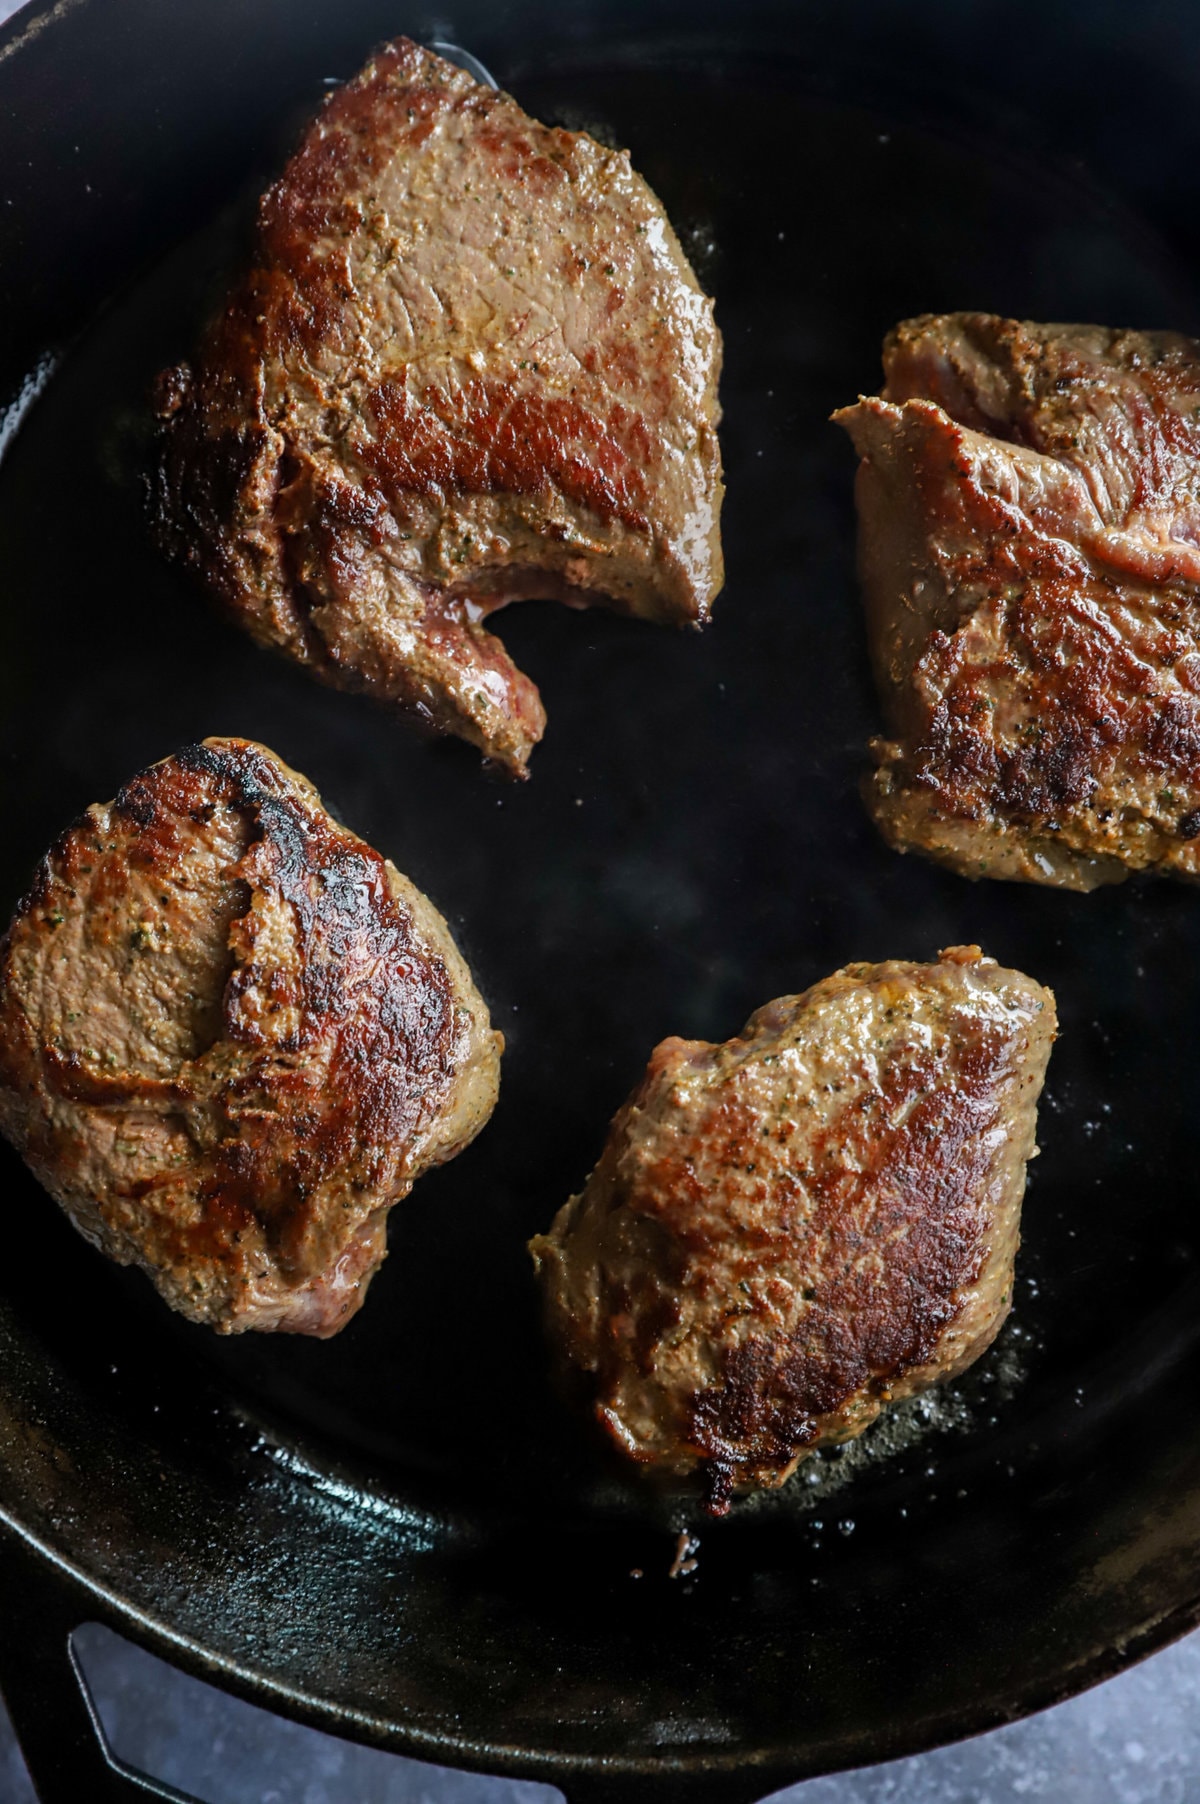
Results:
[1029, 522]
[471, 364]
[787, 1231]
[231, 1036]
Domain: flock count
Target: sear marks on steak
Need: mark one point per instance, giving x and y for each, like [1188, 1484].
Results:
[788, 1231]
[1029, 548]
[471, 365]
[232, 1036]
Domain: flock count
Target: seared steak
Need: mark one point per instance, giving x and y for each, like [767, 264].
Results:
[1029, 547]
[471, 365]
[788, 1231]
[232, 1036]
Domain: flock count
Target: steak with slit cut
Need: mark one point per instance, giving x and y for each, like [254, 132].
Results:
[232, 1036]
[789, 1231]
[1029, 548]
[470, 365]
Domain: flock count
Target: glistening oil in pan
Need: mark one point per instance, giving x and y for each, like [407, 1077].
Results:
[690, 843]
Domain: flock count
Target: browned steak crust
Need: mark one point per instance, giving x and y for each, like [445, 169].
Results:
[788, 1231]
[1029, 517]
[231, 1036]
[470, 365]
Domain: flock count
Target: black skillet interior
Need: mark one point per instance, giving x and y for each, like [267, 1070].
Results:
[398, 1533]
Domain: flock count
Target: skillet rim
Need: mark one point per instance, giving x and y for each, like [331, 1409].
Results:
[24, 29]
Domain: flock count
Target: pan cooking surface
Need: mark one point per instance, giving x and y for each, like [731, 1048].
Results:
[403, 1520]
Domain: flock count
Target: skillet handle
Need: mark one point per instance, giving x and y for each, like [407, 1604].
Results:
[52, 1714]
[63, 1742]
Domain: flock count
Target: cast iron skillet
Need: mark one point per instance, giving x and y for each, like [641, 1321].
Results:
[399, 1536]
